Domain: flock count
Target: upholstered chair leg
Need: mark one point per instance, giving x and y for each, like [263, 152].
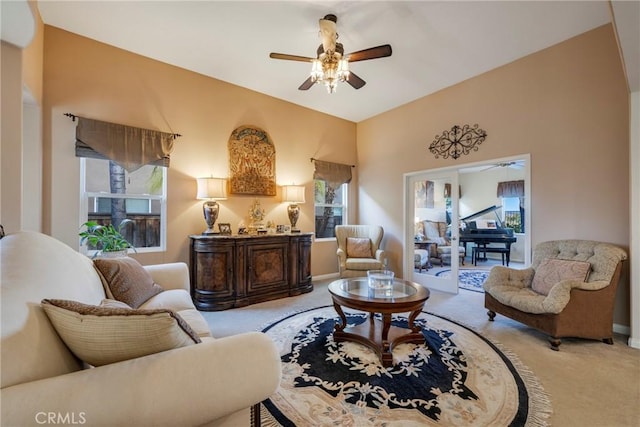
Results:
[608, 341]
[492, 315]
[555, 343]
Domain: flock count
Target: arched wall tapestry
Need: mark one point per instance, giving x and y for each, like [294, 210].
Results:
[252, 162]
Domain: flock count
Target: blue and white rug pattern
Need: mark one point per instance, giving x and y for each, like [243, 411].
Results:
[471, 280]
[458, 378]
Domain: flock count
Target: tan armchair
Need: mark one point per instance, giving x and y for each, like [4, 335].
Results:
[435, 232]
[568, 291]
[359, 249]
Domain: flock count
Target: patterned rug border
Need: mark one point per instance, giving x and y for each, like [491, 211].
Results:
[540, 406]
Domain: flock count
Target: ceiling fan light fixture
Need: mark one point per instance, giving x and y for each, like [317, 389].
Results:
[330, 69]
[331, 65]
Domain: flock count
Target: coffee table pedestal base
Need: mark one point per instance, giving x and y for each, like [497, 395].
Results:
[378, 335]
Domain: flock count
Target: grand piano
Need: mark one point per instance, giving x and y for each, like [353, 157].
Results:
[470, 233]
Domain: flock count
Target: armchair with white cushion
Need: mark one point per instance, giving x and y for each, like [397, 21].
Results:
[441, 248]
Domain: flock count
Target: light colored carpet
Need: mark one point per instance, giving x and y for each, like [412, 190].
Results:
[589, 383]
[469, 279]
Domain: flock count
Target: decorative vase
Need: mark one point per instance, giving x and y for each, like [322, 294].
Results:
[113, 254]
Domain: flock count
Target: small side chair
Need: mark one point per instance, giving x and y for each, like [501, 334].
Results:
[359, 249]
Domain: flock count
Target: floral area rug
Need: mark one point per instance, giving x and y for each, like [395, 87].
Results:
[458, 378]
[470, 280]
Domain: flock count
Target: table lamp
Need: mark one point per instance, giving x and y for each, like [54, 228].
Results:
[211, 189]
[293, 194]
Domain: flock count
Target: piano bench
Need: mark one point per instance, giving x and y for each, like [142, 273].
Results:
[477, 250]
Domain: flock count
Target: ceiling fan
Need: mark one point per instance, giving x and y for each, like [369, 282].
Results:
[331, 65]
[518, 164]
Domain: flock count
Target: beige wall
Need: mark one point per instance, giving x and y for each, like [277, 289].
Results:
[32, 57]
[97, 81]
[567, 106]
[11, 136]
[21, 140]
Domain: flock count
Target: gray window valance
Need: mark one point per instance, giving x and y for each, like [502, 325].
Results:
[334, 174]
[511, 189]
[128, 146]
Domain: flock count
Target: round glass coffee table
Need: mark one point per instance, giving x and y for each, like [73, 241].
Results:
[379, 335]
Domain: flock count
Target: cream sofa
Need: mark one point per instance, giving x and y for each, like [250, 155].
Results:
[214, 382]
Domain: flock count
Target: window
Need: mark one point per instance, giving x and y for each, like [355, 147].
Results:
[513, 214]
[330, 208]
[110, 194]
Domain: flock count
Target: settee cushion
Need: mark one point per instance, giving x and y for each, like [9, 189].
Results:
[127, 280]
[180, 301]
[99, 335]
[554, 270]
[358, 247]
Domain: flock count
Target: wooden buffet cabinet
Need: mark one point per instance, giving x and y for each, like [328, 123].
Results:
[235, 271]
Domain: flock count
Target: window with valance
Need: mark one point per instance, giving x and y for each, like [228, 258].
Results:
[330, 181]
[124, 177]
[512, 195]
[128, 146]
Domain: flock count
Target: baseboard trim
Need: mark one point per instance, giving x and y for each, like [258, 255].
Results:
[621, 329]
[634, 342]
[325, 276]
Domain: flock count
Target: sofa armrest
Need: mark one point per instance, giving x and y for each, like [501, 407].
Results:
[170, 276]
[381, 256]
[342, 258]
[189, 386]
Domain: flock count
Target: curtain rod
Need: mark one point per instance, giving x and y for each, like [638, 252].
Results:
[313, 160]
[74, 117]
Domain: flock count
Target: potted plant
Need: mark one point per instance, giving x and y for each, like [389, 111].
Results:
[106, 238]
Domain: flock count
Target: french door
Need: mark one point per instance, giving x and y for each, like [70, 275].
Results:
[432, 197]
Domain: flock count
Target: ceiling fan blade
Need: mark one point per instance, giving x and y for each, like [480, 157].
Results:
[371, 53]
[290, 57]
[306, 84]
[355, 81]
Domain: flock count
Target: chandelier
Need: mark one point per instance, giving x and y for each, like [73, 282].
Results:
[330, 67]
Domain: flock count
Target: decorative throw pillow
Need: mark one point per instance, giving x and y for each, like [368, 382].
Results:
[127, 280]
[553, 270]
[358, 247]
[101, 335]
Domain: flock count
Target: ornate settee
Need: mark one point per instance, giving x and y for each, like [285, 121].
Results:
[568, 291]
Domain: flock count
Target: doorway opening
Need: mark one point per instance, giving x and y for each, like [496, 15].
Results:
[467, 218]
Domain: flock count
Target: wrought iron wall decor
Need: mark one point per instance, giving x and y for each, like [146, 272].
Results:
[457, 141]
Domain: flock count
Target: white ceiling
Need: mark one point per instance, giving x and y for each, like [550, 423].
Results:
[435, 43]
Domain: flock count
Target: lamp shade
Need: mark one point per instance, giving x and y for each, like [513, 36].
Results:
[212, 189]
[293, 193]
